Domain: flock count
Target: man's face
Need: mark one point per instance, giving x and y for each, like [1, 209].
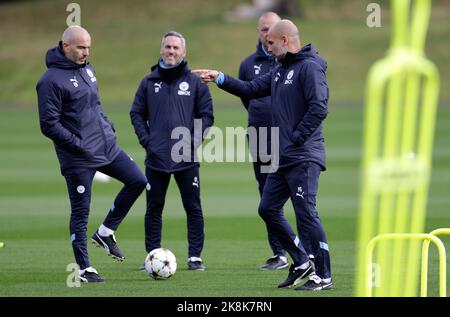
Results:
[263, 28]
[276, 45]
[78, 50]
[172, 50]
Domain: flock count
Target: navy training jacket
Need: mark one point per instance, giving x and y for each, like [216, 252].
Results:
[300, 95]
[71, 115]
[167, 99]
[254, 66]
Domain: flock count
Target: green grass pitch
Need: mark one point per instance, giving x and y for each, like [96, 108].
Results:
[34, 216]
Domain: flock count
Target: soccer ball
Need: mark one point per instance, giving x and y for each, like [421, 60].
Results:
[160, 264]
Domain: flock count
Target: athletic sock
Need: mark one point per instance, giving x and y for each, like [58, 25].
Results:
[88, 269]
[303, 266]
[104, 231]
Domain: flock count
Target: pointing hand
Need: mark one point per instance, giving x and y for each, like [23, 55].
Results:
[206, 75]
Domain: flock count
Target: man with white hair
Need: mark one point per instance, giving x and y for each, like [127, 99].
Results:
[72, 117]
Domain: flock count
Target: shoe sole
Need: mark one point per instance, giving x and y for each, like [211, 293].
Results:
[106, 248]
[327, 287]
[196, 269]
[85, 280]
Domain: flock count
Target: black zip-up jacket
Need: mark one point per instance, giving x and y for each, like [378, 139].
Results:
[300, 95]
[71, 115]
[167, 99]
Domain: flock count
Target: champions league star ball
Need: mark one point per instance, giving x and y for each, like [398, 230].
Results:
[160, 264]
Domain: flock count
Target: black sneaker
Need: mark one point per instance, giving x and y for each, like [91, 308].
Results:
[296, 275]
[274, 263]
[90, 275]
[109, 244]
[315, 283]
[196, 265]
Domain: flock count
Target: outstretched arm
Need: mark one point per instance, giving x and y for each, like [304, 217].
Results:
[257, 88]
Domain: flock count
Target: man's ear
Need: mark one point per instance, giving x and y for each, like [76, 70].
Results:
[65, 46]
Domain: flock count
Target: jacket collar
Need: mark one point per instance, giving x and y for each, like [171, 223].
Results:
[261, 53]
[55, 58]
[169, 74]
[289, 59]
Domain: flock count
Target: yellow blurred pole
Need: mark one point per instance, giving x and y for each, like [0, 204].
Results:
[426, 238]
[424, 270]
[396, 168]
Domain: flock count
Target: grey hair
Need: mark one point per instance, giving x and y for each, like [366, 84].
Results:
[176, 34]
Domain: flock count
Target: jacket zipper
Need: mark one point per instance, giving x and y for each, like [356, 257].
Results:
[170, 121]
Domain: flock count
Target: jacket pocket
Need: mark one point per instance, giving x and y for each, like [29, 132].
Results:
[84, 151]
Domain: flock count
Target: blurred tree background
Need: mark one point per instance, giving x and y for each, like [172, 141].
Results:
[126, 38]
